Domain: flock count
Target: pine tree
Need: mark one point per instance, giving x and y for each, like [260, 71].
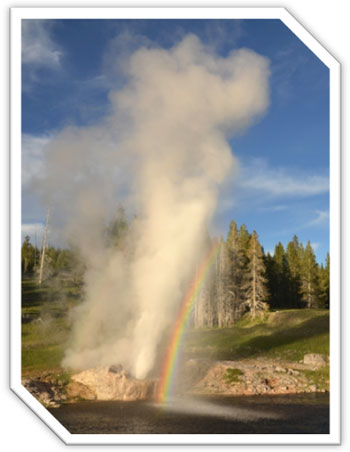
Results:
[271, 280]
[237, 265]
[309, 277]
[205, 308]
[323, 277]
[221, 285]
[282, 277]
[256, 290]
[244, 246]
[28, 253]
[294, 257]
[244, 239]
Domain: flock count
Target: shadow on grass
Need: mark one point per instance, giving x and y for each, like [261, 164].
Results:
[282, 339]
[34, 295]
[31, 294]
[310, 336]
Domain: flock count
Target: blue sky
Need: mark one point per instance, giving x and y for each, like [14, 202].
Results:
[282, 186]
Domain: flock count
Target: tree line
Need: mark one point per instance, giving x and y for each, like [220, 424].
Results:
[63, 262]
[242, 279]
[246, 279]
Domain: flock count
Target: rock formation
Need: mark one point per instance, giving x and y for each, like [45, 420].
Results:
[114, 383]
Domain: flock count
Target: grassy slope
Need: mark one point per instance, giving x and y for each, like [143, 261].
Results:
[45, 328]
[284, 335]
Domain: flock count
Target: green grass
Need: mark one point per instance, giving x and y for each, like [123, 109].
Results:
[45, 325]
[319, 377]
[42, 358]
[232, 375]
[282, 335]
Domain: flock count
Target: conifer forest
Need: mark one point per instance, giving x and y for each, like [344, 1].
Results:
[244, 278]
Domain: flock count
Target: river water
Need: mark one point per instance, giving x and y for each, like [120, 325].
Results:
[307, 413]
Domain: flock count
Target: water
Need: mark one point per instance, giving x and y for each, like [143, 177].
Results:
[294, 414]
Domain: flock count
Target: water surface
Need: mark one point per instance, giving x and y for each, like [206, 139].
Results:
[293, 414]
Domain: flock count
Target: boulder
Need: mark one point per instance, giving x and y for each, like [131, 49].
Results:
[315, 360]
[114, 383]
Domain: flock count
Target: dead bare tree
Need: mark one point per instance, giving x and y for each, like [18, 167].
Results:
[43, 249]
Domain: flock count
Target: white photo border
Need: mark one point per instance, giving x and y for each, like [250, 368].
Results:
[17, 14]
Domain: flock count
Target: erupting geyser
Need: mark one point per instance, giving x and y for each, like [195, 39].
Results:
[163, 153]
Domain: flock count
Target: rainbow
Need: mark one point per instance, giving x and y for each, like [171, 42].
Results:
[171, 357]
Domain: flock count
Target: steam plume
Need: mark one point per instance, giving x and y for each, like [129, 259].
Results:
[163, 152]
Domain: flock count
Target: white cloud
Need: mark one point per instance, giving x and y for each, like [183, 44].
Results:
[32, 156]
[281, 182]
[257, 182]
[38, 47]
[322, 217]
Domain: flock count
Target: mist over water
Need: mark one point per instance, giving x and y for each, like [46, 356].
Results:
[214, 409]
[162, 152]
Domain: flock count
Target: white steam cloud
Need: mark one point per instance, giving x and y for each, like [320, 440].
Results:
[164, 153]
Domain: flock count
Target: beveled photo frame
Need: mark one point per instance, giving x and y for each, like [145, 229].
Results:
[17, 15]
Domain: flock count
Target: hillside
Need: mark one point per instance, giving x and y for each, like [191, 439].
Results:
[288, 334]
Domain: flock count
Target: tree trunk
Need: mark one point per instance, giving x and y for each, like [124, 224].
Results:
[44, 247]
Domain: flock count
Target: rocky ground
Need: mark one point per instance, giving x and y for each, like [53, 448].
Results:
[254, 377]
[48, 392]
[198, 376]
